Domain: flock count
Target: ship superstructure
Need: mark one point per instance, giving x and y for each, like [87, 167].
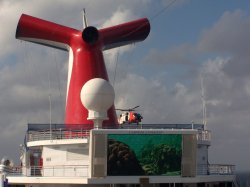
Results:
[91, 148]
[84, 156]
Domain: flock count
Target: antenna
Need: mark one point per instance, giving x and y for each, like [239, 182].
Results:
[50, 115]
[204, 109]
[85, 23]
[116, 62]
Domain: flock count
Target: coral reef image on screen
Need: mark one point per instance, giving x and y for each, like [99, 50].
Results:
[144, 154]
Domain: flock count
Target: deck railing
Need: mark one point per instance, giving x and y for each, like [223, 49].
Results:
[163, 126]
[56, 134]
[204, 135]
[60, 132]
[215, 169]
[51, 171]
[82, 170]
[221, 169]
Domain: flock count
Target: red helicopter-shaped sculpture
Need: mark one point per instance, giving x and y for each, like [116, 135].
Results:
[129, 116]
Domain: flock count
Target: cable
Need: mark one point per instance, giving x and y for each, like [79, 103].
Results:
[116, 62]
[59, 82]
[162, 10]
[152, 18]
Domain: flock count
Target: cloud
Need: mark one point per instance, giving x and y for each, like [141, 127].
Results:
[182, 54]
[228, 104]
[159, 104]
[24, 86]
[228, 35]
[112, 56]
[118, 17]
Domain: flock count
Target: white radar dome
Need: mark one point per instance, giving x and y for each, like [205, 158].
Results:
[97, 96]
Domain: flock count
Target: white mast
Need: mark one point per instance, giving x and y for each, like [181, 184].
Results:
[85, 23]
[204, 109]
[50, 114]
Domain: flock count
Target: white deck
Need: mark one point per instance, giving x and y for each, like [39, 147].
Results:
[119, 180]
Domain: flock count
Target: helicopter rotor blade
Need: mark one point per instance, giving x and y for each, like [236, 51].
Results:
[121, 109]
[129, 109]
[135, 107]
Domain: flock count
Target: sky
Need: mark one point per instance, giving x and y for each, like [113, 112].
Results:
[189, 41]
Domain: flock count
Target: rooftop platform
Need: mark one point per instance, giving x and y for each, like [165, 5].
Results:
[42, 132]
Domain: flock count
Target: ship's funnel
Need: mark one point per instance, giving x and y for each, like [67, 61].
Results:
[86, 59]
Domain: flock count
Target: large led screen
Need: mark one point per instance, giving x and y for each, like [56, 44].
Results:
[144, 154]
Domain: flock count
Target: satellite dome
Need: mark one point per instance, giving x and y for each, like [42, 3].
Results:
[97, 96]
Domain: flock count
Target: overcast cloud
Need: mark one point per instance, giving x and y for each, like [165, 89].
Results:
[220, 55]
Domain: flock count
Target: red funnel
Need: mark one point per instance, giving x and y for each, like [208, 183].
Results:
[85, 55]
